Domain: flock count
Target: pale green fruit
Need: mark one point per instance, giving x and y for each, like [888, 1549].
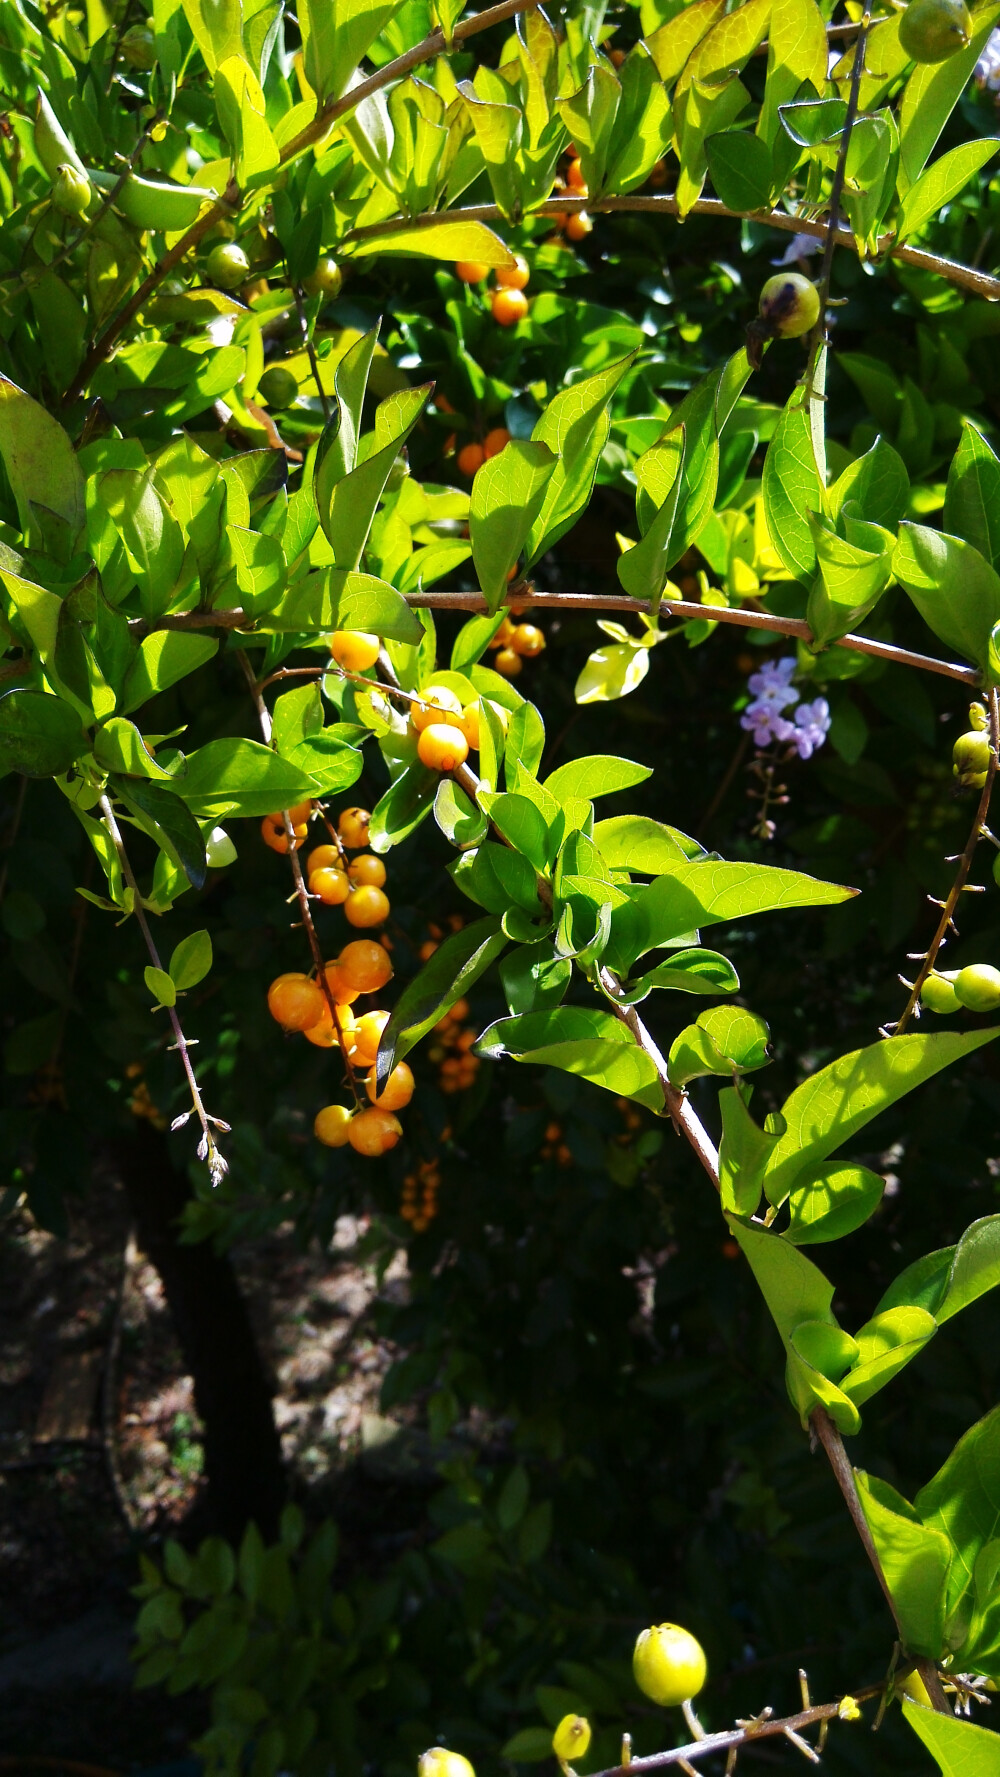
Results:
[971, 757]
[439, 1762]
[978, 987]
[278, 386]
[71, 192]
[939, 995]
[669, 1664]
[789, 305]
[933, 30]
[326, 280]
[227, 265]
[571, 1738]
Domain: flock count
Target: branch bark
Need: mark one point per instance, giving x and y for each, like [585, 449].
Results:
[765, 1727]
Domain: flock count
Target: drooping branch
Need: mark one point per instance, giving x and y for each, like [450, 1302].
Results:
[965, 858]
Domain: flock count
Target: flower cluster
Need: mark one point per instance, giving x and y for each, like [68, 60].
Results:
[773, 695]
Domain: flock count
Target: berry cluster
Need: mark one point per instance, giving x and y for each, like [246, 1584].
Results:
[514, 643]
[420, 1194]
[554, 1147]
[508, 303]
[472, 456]
[579, 225]
[141, 1103]
[452, 1049]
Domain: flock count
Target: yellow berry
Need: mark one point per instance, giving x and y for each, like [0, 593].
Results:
[367, 871]
[331, 886]
[397, 1091]
[324, 1033]
[437, 704]
[354, 650]
[353, 828]
[508, 663]
[364, 966]
[324, 857]
[366, 906]
[438, 1762]
[374, 1131]
[295, 1001]
[332, 1125]
[669, 1664]
[367, 1036]
[571, 1738]
[470, 725]
[442, 747]
[528, 640]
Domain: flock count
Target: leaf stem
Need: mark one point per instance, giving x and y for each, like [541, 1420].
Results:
[207, 1147]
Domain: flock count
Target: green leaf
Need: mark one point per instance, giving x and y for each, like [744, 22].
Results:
[832, 1201]
[347, 510]
[583, 1041]
[833, 1104]
[797, 1294]
[525, 742]
[797, 52]
[915, 1560]
[458, 818]
[854, 571]
[743, 1153]
[791, 490]
[330, 761]
[241, 777]
[602, 774]
[962, 1501]
[167, 820]
[702, 893]
[118, 746]
[725, 1040]
[455, 967]
[975, 1268]
[191, 961]
[672, 44]
[473, 639]
[972, 499]
[575, 427]
[643, 570]
[258, 571]
[959, 1748]
[638, 843]
[938, 184]
[240, 107]
[528, 1747]
[439, 240]
[160, 986]
[612, 672]
[163, 658]
[739, 166]
[507, 495]
[886, 1343]
[332, 599]
[522, 825]
[407, 802]
[40, 462]
[40, 736]
[534, 977]
[336, 40]
[955, 589]
[875, 487]
[687, 971]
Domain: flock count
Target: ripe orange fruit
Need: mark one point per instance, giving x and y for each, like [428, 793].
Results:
[366, 906]
[397, 1091]
[354, 650]
[657, 174]
[363, 966]
[437, 704]
[575, 179]
[578, 227]
[374, 1131]
[442, 747]
[528, 640]
[616, 57]
[508, 307]
[332, 1125]
[513, 277]
[367, 871]
[324, 857]
[508, 663]
[495, 441]
[367, 1036]
[324, 1034]
[301, 812]
[471, 271]
[502, 639]
[353, 828]
[470, 458]
[331, 886]
[470, 726]
[342, 993]
[295, 1001]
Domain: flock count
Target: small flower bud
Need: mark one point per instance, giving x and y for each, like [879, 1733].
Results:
[848, 1710]
[71, 192]
[971, 759]
[571, 1738]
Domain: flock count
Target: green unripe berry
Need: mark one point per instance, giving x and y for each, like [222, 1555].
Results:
[996, 869]
[971, 758]
[227, 265]
[789, 305]
[669, 1664]
[978, 717]
[933, 30]
[439, 1762]
[938, 995]
[71, 192]
[326, 280]
[278, 386]
[571, 1738]
[978, 987]
[138, 47]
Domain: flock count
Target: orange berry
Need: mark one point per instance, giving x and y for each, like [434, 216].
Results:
[273, 833]
[495, 441]
[616, 57]
[507, 308]
[730, 1249]
[427, 950]
[470, 726]
[324, 1034]
[513, 277]
[354, 650]
[367, 1036]
[578, 227]
[459, 1011]
[332, 1125]
[471, 271]
[330, 886]
[528, 640]
[374, 1131]
[553, 1132]
[324, 857]
[364, 966]
[575, 180]
[295, 1001]
[558, 221]
[353, 828]
[342, 993]
[442, 747]
[397, 1091]
[366, 906]
[508, 663]
[367, 870]
[301, 812]
[657, 174]
[470, 458]
[442, 404]
[564, 1155]
[504, 635]
[437, 704]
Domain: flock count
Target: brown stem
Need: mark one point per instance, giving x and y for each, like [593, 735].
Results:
[961, 874]
[837, 187]
[833, 1445]
[207, 1150]
[679, 1109]
[740, 616]
[301, 889]
[763, 1728]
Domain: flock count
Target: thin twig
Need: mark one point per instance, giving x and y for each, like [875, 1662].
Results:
[678, 1105]
[837, 188]
[764, 1728]
[208, 1149]
[961, 874]
[301, 888]
[307, 340]
[740, 616]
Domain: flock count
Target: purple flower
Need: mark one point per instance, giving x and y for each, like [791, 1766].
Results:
[763, 719]
[811, 726]
[770, 686]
